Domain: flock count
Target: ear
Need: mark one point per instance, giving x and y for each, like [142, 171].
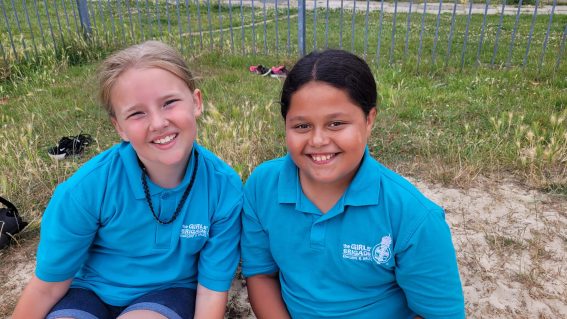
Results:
[370, 120]
[119, 129]
[198, 101]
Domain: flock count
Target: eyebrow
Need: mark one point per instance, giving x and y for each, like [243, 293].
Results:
[170, 95]
[296, 118]
[165, 97]
[329, 116]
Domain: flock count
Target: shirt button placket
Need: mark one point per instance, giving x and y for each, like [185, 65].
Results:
[317, 237]
[165, 211]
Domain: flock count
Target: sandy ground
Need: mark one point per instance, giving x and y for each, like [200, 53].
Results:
[511, 245]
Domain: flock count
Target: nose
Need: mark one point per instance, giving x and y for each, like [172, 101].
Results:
[319, 137]
[158, 121]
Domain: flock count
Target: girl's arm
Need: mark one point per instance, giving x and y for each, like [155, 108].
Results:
[264, 292]
[210, 304]
[39, 297]
[427, 270]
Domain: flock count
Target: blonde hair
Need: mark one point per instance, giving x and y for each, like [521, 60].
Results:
[150, 54]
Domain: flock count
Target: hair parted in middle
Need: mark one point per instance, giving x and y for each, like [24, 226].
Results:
[341, 69]
[149, 54]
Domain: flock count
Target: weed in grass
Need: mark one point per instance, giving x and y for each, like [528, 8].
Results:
[529, 278]
[540, 146]
[556, 188]
[245, 140]
[536, 246]
[49, 61]
[504, 244]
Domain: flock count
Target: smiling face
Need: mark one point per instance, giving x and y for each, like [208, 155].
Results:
[156, 112]
[326, 135]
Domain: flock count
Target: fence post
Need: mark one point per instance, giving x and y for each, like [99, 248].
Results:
[301, 26]
[84, 16]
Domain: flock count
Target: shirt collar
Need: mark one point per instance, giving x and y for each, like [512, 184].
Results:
[364, 188]
[288, 184]
[134, 172]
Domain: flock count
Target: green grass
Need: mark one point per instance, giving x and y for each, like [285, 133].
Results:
[447, 126]
[436, 121]
[208, 26]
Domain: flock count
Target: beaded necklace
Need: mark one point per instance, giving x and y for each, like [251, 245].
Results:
[183, 198]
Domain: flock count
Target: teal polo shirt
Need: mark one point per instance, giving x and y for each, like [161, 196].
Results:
[99, 230]
[383, 251]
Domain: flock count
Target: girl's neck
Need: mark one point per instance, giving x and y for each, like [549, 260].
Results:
[166, 176]
[324, 196]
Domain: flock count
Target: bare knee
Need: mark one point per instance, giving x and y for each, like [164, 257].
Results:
[142, 314]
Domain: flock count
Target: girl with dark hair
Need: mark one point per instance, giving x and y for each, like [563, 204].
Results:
[328, 232]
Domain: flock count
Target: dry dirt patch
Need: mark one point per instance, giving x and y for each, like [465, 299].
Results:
[511, 245]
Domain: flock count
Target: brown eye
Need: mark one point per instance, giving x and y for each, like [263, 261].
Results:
[302, 126]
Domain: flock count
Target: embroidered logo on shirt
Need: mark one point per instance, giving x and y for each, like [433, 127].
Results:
[194, 230]
[357, 252]
[382, 253]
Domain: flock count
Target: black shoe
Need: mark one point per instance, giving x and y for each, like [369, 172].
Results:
[10, 223]
[70, 146]
[260, 69]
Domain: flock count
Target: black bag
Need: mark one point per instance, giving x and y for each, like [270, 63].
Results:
[10, 223]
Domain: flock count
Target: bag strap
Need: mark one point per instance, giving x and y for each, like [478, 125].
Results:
[11, 207]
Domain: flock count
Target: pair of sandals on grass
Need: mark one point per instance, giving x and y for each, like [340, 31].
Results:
[70, 146]
[274, 72]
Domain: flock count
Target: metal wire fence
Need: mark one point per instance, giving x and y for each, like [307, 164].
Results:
[438, 34]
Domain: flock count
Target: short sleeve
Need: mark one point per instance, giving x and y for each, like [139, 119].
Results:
[256, 256]
[67, 231]
[220, 255]
[427, 270]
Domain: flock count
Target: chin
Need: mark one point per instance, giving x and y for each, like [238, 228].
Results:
[173, 160]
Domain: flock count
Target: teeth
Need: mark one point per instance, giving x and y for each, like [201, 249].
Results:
[165, 139]
[322, 157]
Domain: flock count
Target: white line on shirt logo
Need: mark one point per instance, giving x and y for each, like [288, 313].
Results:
[194, 230]
[381, 253]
